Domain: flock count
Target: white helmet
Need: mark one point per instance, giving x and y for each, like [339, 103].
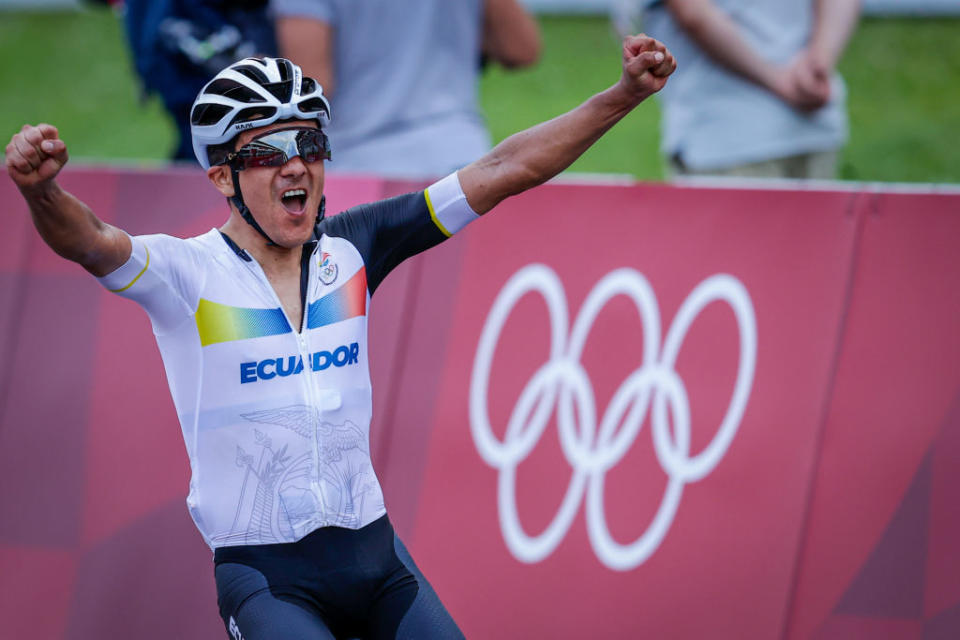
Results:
[250, 93]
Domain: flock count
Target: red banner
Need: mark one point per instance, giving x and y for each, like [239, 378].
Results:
[730, 324]
[623, 412]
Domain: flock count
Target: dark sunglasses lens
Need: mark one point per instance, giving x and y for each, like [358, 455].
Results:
[260, 159]
[271, 150]
[311, 145]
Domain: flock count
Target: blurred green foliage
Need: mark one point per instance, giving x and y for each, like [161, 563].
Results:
[903, 78]
[72, 69]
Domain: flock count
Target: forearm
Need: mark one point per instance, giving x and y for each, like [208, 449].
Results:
[719, 36]
[834, 23]
[72, 230]
[33, 158]
[531, 157]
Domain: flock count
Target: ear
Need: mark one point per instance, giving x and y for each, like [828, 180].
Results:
[220, 177]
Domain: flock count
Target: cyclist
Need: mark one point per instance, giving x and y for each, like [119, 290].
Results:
[262, 328]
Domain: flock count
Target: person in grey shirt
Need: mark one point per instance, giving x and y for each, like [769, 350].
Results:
[402, 76]
[757, 94]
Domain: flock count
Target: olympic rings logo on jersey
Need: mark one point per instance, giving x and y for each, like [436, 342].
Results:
[562, 383]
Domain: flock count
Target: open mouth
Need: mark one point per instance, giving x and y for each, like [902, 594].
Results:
[294, 200]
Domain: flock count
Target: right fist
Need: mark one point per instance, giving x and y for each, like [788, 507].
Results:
[35, 155]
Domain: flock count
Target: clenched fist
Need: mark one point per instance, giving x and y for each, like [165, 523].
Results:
[646, 65]
[35, 156]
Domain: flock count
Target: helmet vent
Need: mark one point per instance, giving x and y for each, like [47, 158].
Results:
[286, 69]
[280, 90]
[252, 72]
[254, 113]
[312, 105]
[205, 115]
[308, 86]
[233, 89]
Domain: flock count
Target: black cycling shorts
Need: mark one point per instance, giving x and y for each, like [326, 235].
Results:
[333, 583]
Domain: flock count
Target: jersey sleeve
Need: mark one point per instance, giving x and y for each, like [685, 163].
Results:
[389, 231]
[163, 275]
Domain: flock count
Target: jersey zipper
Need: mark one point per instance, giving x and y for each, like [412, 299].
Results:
[303, 349]
[308, 382]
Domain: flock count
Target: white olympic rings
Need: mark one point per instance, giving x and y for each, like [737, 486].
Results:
[563, 383]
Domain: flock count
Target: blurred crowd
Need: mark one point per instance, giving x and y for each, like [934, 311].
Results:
[756, 93]
[401, 76]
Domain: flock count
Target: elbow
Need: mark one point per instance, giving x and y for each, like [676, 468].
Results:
[512, 39]
[526, 54]
[518, 177]
[496, 178]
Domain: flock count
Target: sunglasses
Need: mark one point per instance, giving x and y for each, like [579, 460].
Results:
[275, 148]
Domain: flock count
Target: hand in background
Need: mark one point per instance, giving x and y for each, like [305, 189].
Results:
[804, 83]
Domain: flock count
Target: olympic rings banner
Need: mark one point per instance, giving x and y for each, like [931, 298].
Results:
[601, 411]
[655, 377]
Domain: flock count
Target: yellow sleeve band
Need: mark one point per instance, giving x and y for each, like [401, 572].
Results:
[433, 214]
[142, 271]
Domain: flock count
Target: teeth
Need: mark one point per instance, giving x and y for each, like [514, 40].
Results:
[294, 193]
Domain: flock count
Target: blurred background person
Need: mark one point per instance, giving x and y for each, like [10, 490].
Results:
[756, 93]
[178, 45]
[402, 76]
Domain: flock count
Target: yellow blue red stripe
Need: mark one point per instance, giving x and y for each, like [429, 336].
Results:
[349, 301]
[221, 323]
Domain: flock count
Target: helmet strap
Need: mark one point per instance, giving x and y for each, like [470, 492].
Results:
[237, 200]
[321, 212]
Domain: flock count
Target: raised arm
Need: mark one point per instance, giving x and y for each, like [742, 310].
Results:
[34, 157]
[533, 156]
[511, 36]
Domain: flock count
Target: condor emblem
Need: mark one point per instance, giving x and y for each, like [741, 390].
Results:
[328, 269]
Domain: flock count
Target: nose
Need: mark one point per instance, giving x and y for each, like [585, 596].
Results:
[293, 167]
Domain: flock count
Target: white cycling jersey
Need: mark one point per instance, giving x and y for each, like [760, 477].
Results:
[275, 419]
